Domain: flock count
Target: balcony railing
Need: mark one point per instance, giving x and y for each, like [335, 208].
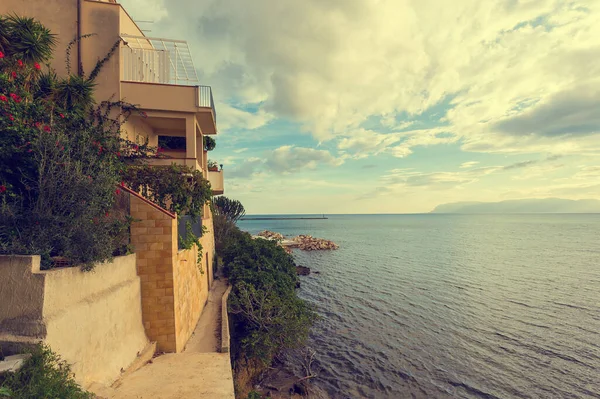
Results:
[205, 99]
[158, 60]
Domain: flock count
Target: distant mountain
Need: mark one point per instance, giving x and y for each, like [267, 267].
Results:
[545, 205]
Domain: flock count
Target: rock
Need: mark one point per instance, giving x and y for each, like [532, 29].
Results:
[302, 270]
[271, 235]
[300, 388]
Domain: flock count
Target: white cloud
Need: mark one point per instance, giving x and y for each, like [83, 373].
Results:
[284, 160]
[231, 117]
[469, 164]
[287, 159]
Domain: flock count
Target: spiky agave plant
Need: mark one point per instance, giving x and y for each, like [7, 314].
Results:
[75, 93]
[26, 39]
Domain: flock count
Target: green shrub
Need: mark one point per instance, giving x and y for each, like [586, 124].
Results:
[177, 188]
[44, 375]
[60, 160]
[267, 315]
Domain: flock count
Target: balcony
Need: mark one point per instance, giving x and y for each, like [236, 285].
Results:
[216, 181]
[159, 74]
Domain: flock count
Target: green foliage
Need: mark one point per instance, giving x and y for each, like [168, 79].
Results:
[44, 375]
[226, 212]
[60, 163]
[177, 188]
[75, 93]
[268, 317]
[5, 392]
[231, 209]
[25, 39]
[254, 395]
[209, 143]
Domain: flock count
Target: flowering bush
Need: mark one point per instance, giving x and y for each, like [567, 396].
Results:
[60, 164]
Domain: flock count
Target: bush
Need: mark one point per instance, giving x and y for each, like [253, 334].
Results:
[177, 188]
[226, 212]
[267, 315]
[44, 375]
[60, 161]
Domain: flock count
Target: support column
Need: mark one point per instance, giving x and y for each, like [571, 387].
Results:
[191, 152]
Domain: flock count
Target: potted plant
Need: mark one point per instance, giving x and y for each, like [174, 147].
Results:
[213, 166]
[209, 143]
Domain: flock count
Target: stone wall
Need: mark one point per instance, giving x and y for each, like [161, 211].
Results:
[92, 319]
[154, 238]
[174, 286]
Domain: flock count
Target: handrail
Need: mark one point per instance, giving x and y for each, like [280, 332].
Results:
[159, 60]
[205, 99]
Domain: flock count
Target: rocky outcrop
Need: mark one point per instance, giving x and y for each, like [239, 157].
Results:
[271, 235]
[302, 270]
[310, 243]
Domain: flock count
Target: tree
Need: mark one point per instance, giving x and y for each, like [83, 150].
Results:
[231, 209]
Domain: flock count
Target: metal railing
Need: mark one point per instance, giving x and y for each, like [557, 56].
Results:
[146, 65]
[158, 60]
[205, 99]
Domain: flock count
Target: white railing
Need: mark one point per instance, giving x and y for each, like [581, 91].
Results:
[146, 65]
[205, 99]
[158, 60]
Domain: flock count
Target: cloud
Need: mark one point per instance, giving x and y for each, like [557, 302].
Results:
[469, 164]
[284, 160]
[231, 117]
[246, 169]
[573, 112]
[288, 159]
[333, 65]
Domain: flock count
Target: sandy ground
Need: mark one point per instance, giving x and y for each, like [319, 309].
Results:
[200, 372]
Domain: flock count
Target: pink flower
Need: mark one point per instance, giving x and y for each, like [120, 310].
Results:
[3, 98]
[136, 147]
[2, 187]
[118, 154]
[61, 115]
[12, 118]
[1, 54]
[106, 214]
[20, 63]
[47, 128]
[118, 191]
[38, 124]
[37, 66]
[122, 184]
[14, 74]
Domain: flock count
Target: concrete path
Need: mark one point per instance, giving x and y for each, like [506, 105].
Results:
[207, 335]
[200, 372]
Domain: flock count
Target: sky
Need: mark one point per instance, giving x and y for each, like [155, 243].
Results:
[395, 106]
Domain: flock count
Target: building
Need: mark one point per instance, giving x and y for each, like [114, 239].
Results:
[157, 75]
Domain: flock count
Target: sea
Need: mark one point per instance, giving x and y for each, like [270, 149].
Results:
[453, 306]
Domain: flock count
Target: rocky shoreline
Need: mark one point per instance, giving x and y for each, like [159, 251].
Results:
[303, 242]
